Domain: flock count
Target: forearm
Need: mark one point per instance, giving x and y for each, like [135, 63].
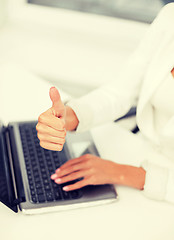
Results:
[71, 120]
[128, 175]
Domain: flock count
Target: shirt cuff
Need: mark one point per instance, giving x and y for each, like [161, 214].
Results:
[156, 181]
[170, 187]
[83, 113]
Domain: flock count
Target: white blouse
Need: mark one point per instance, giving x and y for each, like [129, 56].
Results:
[162, 102]
[147, 81]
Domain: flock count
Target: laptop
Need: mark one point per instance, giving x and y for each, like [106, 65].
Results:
[25, 170]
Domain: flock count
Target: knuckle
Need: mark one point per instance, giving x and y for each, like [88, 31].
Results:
[77, 185]
[59, 147]
[91, 179]
[72, 168]
[88, 162]
[82, 183]
[74, 175]
[42, 144]
[87, 156]
[37, 127]
[64, 134]
[38, 135]
[60, 141]
[41, 117]
[63, 140]
[92, 170]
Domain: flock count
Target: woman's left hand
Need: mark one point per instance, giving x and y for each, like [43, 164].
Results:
[93, 171]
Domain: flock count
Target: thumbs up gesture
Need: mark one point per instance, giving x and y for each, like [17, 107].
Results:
[51, 124]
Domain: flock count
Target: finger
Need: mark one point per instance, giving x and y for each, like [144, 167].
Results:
[51, 139]
[71, 177]
[41, 128]
[56, 102]
[77, 185]
[50, 120]
[69, 163]
[51, 146]
[71, 169]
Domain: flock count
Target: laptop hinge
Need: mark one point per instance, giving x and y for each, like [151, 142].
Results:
[14, 165]
[17, 201]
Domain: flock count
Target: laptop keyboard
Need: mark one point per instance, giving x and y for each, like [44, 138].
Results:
[40, 165]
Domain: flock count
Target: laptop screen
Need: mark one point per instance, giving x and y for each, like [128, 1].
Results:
[7, 194]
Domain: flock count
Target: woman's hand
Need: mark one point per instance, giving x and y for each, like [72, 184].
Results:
[52, 124]
[95, 171]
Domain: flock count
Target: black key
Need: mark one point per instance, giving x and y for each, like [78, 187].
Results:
[31, 186]
[33, 163]
[49, 196]
[35, 173]
[66, 195]
[44, 176]
[38, 185]
[51, 172]
[37, 179]
[75, 194]
[57, 165]
[55, 185]
[35, 168]
[50, 169]
[39, 191]
[34, 199]
[27, 166]
[49, 163]
[46, 181]
[41, 198]
[57, 195]
[47, 187]
[43, 170]
[39, 154]
[30, 181]
[33, 193]
[29, 172]
[42, 165]
[29, 177]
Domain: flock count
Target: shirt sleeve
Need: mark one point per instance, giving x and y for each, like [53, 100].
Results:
[159, 182]
[113, 100]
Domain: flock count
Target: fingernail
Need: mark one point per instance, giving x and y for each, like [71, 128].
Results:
[58, 180]
[65, 188]
[58, 170]
[52, 88]
[53, 176]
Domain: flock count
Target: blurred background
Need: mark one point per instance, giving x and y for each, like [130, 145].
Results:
[76, 45]
[139, 10]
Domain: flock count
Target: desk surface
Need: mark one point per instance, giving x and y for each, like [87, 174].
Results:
[133, 216]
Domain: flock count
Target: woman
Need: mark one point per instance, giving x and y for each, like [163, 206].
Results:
[148, 79]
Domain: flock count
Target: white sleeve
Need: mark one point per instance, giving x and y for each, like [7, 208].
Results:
[159, 182]
[112, 101]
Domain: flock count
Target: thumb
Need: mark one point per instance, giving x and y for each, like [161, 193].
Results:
[57, 104]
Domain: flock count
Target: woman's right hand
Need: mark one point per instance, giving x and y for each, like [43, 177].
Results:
[51, 129]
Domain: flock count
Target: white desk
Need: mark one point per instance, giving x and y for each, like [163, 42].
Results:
[133, 216]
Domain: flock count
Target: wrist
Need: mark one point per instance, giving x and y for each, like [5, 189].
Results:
[132, 176]
[71, 120]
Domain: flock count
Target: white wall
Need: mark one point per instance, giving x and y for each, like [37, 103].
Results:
[77, 51]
